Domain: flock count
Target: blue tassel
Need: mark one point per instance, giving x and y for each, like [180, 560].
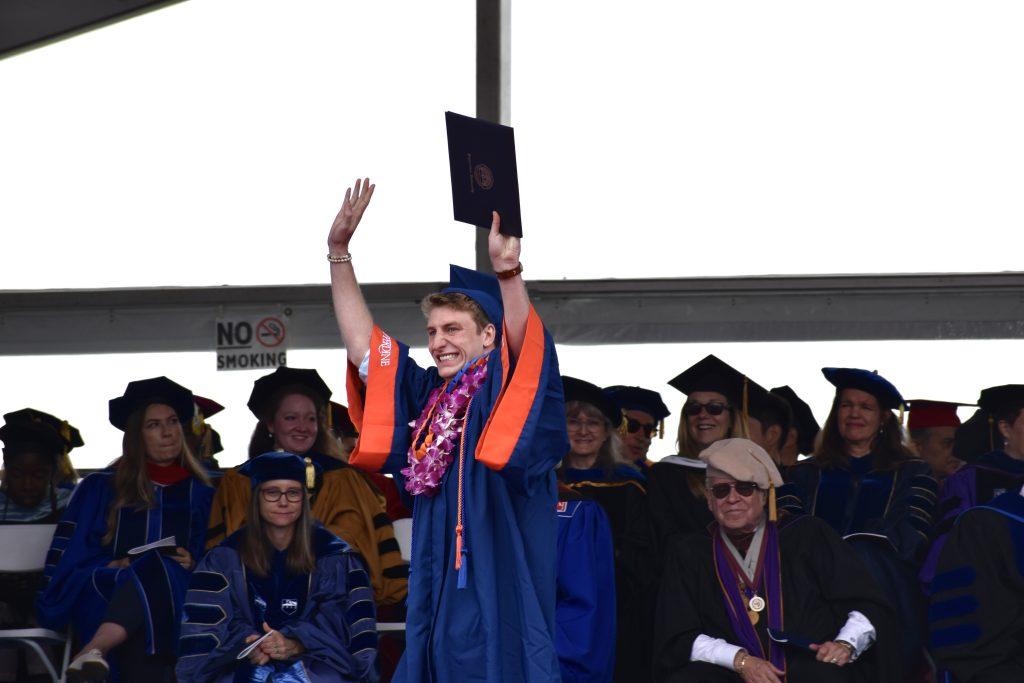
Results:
[463, 570]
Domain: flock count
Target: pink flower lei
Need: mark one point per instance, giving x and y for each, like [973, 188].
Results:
[446, 412]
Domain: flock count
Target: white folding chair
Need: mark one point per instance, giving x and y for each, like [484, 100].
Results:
[403, 534]
[24, 550]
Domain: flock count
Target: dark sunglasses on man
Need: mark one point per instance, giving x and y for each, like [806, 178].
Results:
[744, 488]
[692, 408]
[633, 426]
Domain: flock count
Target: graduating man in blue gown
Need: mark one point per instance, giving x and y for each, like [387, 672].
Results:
[476, 439]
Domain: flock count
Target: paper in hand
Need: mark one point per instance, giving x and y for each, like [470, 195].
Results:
[252, 646]
[166, 545]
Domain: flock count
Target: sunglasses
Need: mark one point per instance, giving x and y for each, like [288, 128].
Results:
[744, 488]
[633, 426]
[693, 409]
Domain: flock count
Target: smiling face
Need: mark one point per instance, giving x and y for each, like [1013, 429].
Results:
[588, 430]
[704, 428]
[858, 416]
[161, 432]
[735, 512]
[294, 426]
[282, 512]
[453, 339]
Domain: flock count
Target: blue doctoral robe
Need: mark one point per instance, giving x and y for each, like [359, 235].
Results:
[585, 611]
[886, 515]
[495, 619]
[78, 585]
[330, 612]
[976, 616]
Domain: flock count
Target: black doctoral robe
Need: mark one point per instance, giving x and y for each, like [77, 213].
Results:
[675, 510]
[976, 616]
[822, 582]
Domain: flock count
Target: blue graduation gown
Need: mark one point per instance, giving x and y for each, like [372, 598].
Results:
[585, 611]
[976, 616]
[330, 612]
[78, 585]
[495, 619]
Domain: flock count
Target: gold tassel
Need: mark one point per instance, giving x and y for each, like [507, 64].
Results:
[773, 513]
[623, 425]
[310, 474]
[661, 429]
[991, 433]
[746, 406]
[901, 414]
[197, 421]
[330, 420]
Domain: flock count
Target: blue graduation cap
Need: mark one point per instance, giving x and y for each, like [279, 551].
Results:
[280, 465]
[888, 396]
[638, 398]
[479, 287]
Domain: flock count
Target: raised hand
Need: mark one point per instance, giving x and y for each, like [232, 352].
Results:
[503, 249]
[357, 198]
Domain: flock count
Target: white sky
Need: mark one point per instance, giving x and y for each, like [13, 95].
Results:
[210, 142]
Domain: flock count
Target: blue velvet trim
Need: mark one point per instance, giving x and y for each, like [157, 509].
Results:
[954, 635]
[961, 577]
[211, 582]
[361, 610]
[952, 608]
[199, 644]
[207, 615]
[65, 529]
[364, 641]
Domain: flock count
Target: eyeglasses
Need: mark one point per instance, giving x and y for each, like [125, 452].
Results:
[578, 425]
[633, 426]
[744, 488]
[693, 409]
[274, 495]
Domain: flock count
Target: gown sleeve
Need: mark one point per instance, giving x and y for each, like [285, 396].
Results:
[908, 521]
[585, 609]
[339, 628]
[76, 550]
[677, 619]
[216, 622]
[525, 434]
[975, 618]
[229, 507]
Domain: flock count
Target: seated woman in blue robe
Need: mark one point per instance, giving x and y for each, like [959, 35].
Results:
[124, 601]
[989, 475]
[282, 599]
[868, 485]
[594, 467]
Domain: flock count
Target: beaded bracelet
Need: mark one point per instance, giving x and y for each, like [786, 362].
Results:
[339, 259]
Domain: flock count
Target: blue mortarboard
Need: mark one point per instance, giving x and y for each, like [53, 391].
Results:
[280, 465]
[479, 287]
[482, 159]
[144, 392]
[888, 396]
[638, 398]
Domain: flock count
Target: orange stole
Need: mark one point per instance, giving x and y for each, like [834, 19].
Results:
[375, 419]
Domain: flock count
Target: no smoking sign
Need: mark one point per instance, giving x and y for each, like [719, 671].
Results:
[251, 343]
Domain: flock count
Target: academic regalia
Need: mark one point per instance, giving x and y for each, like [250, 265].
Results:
[493, 618]
[47, 512]
[822, 581]
[623, 497]
[976, 617]
[78, 584]
[330, 611]
[675, 509]
[344, 503]
[585, 608]
[973, 484]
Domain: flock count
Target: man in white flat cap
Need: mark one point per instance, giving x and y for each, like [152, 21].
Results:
[765, 600]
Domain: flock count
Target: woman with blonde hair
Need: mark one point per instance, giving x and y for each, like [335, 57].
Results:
[282, 598]
[596, 468]
[121, 555]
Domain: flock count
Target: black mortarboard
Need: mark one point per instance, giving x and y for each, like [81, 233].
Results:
[265, 387]
[215, 444]
[341, 423]
[481, 288]
[280, 465]
[807, 427]
[145, 392]
[638, 398]
[1002, 399]
[34, 426]
[974, 437]
[585, 392]
[767, 407]
[711, 374]
[482, 157]
[888, 396]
